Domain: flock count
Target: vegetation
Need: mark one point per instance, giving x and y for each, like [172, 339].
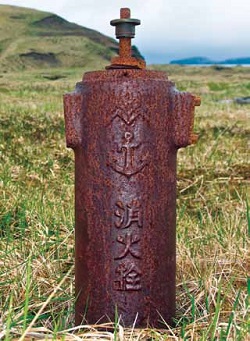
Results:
[31, 39]
[37, 205]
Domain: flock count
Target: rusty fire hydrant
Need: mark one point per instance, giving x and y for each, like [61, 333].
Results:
[125, 125]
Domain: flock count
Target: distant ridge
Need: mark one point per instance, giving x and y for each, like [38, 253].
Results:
[32, 39]
[205, 60]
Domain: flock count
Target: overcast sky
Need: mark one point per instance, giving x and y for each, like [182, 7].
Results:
[169, 30]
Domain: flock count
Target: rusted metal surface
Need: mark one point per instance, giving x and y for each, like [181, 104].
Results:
[125, 127]
[125, 31]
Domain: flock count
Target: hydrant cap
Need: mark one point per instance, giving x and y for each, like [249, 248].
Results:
[125, 28]
[125, 31]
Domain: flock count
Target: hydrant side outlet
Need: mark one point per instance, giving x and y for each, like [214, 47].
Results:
[125, 125]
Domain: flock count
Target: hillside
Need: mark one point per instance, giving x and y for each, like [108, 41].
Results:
[31, 39]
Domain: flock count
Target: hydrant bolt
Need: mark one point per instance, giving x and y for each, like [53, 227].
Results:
[125, 31]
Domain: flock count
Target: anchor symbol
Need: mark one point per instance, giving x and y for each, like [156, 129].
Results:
[128, 167]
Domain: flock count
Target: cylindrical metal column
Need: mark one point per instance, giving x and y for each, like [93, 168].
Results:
[125, 126]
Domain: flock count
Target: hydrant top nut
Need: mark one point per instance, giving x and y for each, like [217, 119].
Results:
[125, 28]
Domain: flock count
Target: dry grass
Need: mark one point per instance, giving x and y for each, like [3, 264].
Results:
[36, 213]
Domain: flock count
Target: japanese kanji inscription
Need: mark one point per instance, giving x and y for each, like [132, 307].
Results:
[128, 214]
[128, 277]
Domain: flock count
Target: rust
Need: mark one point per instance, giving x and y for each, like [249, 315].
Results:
[125, 31]
[125, 13]
[125, 126]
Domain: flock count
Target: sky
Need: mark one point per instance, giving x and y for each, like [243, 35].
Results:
[217, 29]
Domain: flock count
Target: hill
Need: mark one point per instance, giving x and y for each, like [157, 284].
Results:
[31, 39]
[205, 60]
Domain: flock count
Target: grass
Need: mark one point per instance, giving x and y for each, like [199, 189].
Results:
[37, 219]
[32, 39]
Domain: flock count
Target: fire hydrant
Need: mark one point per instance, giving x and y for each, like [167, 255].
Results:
[125, 125]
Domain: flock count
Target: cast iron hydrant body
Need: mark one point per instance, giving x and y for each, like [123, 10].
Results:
[125, 126]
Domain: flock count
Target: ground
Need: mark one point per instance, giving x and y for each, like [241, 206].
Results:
[37, 211]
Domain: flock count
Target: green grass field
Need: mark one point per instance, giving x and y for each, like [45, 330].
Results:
[37, 212]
